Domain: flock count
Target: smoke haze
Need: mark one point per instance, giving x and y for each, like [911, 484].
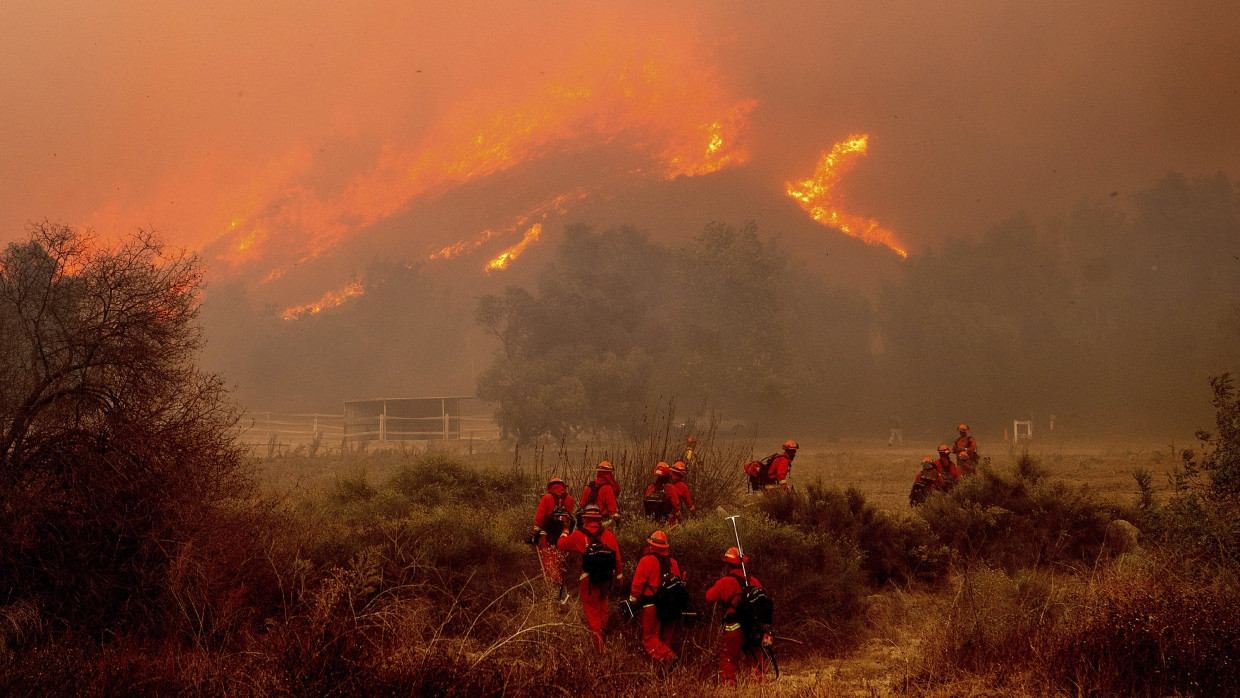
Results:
[297, 145]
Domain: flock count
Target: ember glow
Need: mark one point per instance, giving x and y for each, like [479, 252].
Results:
[501, 262]
[822, 201]
[331, 299]
[558, 205]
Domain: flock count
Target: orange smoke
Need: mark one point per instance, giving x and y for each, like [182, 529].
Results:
[822, 202]
[663, 102]
[501, 262]
[331, 299]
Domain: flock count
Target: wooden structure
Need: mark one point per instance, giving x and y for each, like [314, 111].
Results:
[418, 419]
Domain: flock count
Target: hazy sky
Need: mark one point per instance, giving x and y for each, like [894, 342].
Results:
[280, 127]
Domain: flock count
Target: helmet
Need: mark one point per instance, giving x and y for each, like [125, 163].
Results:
[963, 427]
[944, 448]
[692, 440]
[790, 445]
[658, 539]
[927, 464]
[679, 467]
[734, 558]
[591, 511]
[661, 470]
[555, 481]
[604, 466]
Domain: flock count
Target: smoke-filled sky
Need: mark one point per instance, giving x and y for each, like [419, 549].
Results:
[273, 131]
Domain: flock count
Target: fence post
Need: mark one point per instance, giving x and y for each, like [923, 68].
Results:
[383, 427]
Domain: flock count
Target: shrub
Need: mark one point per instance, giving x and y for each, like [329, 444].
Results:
[1011, 522]
[893, 548]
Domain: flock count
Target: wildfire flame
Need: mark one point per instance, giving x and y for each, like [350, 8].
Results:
[818, 197]
[501, 262]
[666, 105]
[557, 205]
[331, 299]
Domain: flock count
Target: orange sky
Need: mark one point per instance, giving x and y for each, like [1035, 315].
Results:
[283, 127]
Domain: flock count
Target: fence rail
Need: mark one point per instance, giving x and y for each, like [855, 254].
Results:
[281, 433]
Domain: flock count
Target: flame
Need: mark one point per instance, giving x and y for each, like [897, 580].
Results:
[820, 200]
[557, 205]
[501, 262]
[665, 103]
[331, 299]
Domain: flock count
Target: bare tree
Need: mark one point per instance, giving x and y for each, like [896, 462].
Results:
[115, 450]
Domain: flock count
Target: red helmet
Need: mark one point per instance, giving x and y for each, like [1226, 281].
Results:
[591, 511]
[944, 448]
[555, 481]
[927, 464]
[692, 440]
[790, 445]
[658, 539]
[962, 427]
[679, 467]
[734, 558]
[661, 470]
[604, 466]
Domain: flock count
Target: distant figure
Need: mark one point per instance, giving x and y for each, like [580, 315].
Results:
[949, 470]
[897, 431]
[689, 457]
[965, 449]
[602, 492]
[682, 488]
[661, 501]
[927, 481]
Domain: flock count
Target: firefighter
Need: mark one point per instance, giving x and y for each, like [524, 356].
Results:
[927, 481]
[603, 492]
[554, 515]
[781, 465]
[947, 469]
[653, 567]
[732, 643]
[600, 568]
[661, 501]
[682, 488]
[965, 449]
[689, 457]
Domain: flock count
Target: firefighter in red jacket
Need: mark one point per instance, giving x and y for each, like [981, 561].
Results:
[727, 591]
[602, 492]
[965, 449]
[656, 635]
[682, 488]
[548, 526]
[781, 464]
[947, 469]
[927, 481]
[595, 582]
[661, 501]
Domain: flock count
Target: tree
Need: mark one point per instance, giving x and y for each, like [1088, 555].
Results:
[115, 450]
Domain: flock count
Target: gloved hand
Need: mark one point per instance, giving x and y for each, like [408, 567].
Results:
[767, 640]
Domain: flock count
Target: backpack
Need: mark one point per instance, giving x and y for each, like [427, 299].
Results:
[671, 599]
[559, 520]
[759, 472]
[657, 504]
[599, 560]
[754, 611]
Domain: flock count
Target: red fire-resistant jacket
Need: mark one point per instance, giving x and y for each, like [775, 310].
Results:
[577, 541]
[648, 575]
[606, 500]
[547, 503]
[780, 465]
[682, 492]
[728, 592]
